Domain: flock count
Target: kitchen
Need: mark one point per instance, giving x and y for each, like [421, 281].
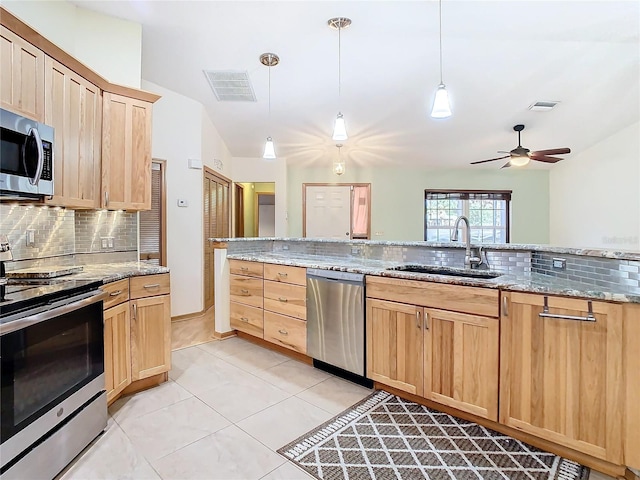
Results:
[556, 208]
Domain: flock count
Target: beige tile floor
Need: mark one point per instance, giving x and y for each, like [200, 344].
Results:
[228, 406]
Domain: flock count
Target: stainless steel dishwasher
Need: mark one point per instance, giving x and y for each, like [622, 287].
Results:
[335, 319]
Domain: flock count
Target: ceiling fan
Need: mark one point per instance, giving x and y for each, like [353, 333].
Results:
[520, 156]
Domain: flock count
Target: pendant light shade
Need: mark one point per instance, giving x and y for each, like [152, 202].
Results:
[269, 150]
[339, 129]
[441, 107]
[339, 165]
[269, 60]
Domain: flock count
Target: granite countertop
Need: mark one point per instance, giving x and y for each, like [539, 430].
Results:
[106, 272]
[521, 282]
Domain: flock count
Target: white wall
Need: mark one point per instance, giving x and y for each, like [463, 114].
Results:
[214, 153]
[110, 46]
[595, 195]
[254, 170]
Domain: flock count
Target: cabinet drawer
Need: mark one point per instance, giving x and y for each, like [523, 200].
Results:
[286, 299]
[150, 285]
[285, 331]
[285, 274]
[243, 267]
[247, 319]
[118, 293]
[246, 290]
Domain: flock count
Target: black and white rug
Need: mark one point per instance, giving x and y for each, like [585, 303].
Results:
[384, 437]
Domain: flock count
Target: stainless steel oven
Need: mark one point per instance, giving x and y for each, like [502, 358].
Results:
[26, 157]
[53, 399]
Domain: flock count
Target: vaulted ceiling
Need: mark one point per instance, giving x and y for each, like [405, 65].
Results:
[499, 57]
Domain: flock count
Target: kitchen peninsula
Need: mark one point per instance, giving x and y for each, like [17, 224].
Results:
[543, 351]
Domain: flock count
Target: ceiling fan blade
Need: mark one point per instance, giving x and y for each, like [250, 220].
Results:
[490, 160]
[544, 158]
[506, 165]
[553, 151]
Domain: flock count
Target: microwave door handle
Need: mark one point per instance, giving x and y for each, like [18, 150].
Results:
[36, 135]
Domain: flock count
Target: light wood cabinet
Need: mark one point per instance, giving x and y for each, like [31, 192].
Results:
[118, 293]
[395, 345]
[285, 274]
[562, 379]
[73, 107]
[632, 380]
[461, 361]
[22, 84]
[150, 336]
[126, 153]
[286, 299]
[246, 295]
[246, 290]
[149, 285]
[285, 331]
[117, 349]
[244, 267]
[247, 319]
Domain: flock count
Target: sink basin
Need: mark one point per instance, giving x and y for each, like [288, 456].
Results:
[452, 272]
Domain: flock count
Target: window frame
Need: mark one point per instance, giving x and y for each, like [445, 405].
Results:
[505, 194]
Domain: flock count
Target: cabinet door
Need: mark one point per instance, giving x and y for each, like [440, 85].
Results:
[461, 361]
[126, 153]
[21, 76]
[73, 106]
[117, 349]
[561, 379]
[150, 336]
[395, 345]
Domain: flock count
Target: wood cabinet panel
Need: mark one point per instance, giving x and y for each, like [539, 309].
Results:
[150, 336]
[73, 107]
[285, 331]
[126, 153]
[461, 361]
[247, 319]
[285, 274]
[117, 349]
[395, 345]
[562, 379]
[285, 299]
[246, 290]
[150, 285]
[22, 84]
[243, 267]
[118, 293]
[457, 298]
[631, 376]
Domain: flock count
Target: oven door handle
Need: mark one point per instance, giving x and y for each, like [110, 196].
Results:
[42, 316]
[33, 132]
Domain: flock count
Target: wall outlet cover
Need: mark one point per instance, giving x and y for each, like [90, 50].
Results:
[559, 264]
[183, 202]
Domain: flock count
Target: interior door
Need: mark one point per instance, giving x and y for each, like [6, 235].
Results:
[327, 211]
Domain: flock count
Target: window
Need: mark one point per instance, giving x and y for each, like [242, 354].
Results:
[487, 211]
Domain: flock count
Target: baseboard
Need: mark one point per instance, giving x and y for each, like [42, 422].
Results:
[187, 316]
[223, 335]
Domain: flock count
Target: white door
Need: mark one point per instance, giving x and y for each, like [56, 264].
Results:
[328, 211]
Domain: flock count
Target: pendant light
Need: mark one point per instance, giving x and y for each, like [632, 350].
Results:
[441, 107]
[339, 165]
[339, 128]
[270, 60]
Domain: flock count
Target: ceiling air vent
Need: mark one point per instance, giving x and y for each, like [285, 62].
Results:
[542, 106]
[230, 85]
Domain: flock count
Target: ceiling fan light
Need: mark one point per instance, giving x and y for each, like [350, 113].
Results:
[340, 129]
[441, 107]
[519, 161]
[269, 150]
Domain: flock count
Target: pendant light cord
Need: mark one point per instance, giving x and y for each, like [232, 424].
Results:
[269, 94]
[339, 66]
[440, 15]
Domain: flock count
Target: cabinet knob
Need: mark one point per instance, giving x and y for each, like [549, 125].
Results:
[283, 299]
[244, 319]
[282, 274]
[115, 293]
[244, 291]
[283, 332]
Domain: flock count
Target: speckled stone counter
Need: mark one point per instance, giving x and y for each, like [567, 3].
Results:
[111, 272]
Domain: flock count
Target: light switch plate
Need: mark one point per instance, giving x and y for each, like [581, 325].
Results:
[559, 264]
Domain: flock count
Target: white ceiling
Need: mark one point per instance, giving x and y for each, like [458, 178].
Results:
[499, 57]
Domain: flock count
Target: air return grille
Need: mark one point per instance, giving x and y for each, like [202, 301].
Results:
[230, 85]
[543, 106]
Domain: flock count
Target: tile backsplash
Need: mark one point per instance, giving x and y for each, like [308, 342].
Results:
[61, 233]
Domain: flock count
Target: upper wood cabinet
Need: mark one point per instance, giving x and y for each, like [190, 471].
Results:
[21, 76]
[126, 153]
[561, 378]
[73, 107]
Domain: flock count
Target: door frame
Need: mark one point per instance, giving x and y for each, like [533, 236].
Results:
[238, 215]
[256, 210]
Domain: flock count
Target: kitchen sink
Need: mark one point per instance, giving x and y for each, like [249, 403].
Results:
[452, 272]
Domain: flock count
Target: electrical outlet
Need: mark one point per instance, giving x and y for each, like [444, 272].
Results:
[109, 242]
[104, 243]
[355, 250]
[31, 238]
[559, 264]
[285, 247]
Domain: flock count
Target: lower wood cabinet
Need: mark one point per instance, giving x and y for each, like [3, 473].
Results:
[285, 331]
[117, 349]
[150, 336]
[562, 378]
[247, 319]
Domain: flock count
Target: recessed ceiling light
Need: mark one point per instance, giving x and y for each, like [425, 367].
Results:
[543, 106]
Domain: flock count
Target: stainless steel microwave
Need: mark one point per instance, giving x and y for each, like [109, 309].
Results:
[26, 157]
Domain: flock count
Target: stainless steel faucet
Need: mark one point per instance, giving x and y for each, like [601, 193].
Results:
[469, 260]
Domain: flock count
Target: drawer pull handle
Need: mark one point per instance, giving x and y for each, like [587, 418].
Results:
[135, 311]
[244, 319]
[244, 291]
[115, 293]
[152, 285]
[505, 307]
[283, 332]
[418, 323]
[590, 317]
[244, 269]
[281, 274]
[283, 299]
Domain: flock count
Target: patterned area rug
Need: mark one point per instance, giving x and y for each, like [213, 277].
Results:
[385, 437]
